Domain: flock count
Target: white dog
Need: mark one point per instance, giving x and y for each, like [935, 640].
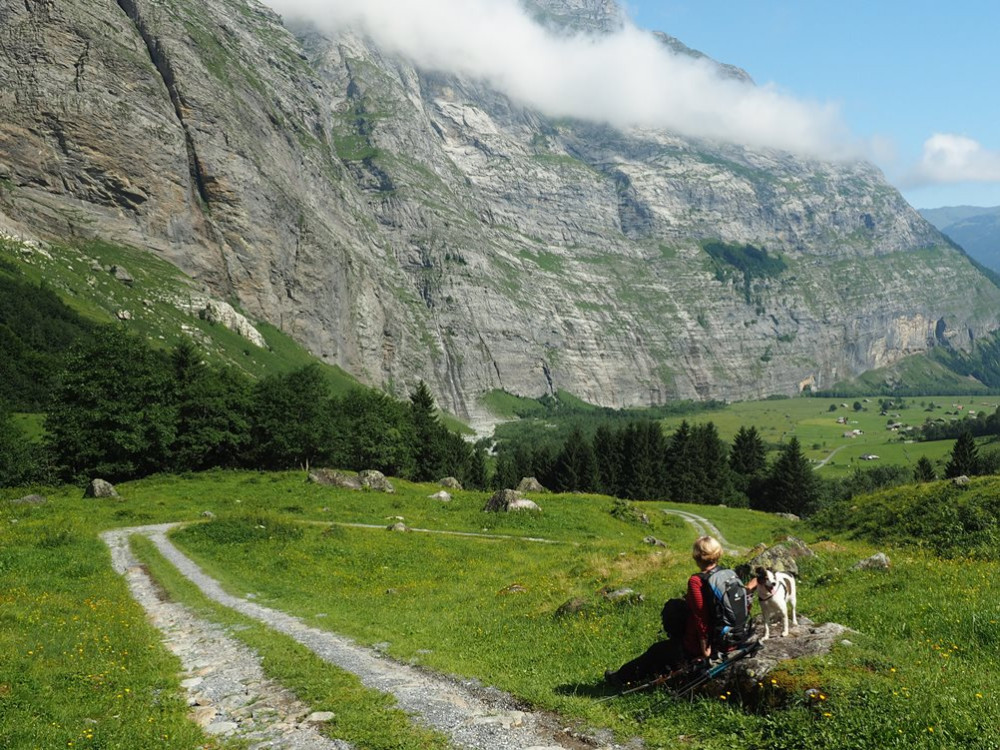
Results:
[775, 592]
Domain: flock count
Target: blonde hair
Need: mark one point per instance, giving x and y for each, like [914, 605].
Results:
[707, 551]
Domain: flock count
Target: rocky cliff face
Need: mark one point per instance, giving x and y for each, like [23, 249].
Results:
[409, 224]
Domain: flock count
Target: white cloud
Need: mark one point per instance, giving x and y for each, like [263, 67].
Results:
[625, 79]
[950, 158]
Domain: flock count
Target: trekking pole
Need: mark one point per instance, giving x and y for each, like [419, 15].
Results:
[656, 682]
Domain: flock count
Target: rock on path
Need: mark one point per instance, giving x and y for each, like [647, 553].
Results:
[227, 690]
[471, 715]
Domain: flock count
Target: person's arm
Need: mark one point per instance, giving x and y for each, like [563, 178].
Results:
[696, 603]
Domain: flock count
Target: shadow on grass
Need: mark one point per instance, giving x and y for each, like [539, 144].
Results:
[595, 689]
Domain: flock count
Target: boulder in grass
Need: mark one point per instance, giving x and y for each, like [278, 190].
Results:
[375, 480]
[333, 478]
[574, 606]
[500, 499]
[100, 488]
[451, 483]
[504, 501]
[782, 557]
[878, 561]
[522, 503]
[443, 496]
[398, 526]
[30, 500]
[622, 596]
[530, 484]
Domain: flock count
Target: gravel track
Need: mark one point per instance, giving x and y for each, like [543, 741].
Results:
[226, 686]
[473, 716]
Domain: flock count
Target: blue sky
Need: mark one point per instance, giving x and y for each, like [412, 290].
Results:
[899, 73]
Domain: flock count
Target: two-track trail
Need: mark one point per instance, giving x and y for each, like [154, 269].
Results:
[227, 685]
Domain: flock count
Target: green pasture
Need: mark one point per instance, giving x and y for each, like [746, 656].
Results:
[821, 437]
[922, 669]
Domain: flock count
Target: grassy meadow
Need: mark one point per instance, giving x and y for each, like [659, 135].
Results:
[79, 666]
[821, 437]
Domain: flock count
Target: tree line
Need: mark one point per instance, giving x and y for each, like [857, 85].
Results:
[119, 409]
[639, 461]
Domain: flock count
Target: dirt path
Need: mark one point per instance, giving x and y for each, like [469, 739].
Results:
[473, 716]
[704, 527]
[820, 464]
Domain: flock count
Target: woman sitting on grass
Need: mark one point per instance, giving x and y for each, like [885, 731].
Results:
[687, 622]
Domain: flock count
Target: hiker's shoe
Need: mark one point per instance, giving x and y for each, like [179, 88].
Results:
[613, 679]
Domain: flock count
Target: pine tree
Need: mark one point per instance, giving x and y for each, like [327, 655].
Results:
[607, 460]
[792, 486]
[964, 457]
[748, 456]
[477, 474]
[575, 468]
[712, 483]
[748, 462]
[429, 447]
[680, 470]
[924, 470]
[18, 460]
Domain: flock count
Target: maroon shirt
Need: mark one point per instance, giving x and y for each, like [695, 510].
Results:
[699, 616]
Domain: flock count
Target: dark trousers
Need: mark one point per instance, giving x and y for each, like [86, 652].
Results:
[660, 658]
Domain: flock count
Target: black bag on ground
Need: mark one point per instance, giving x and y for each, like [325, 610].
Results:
[730, 608]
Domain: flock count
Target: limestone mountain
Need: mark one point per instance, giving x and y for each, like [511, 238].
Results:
[411, 224]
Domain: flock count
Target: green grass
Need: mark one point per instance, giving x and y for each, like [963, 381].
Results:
[79, 665]
[378, 587]
[923, 670]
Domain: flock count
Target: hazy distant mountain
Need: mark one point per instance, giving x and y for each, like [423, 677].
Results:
[976, 229]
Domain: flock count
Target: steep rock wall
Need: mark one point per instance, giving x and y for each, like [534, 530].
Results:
[410, 224]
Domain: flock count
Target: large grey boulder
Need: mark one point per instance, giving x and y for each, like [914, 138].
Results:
[783, 556]
[451, 483]
[530, 484]
[444, 497]
[334, 478]
[375, 480]
[99, 488]
[804, 640]
[504, 501]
